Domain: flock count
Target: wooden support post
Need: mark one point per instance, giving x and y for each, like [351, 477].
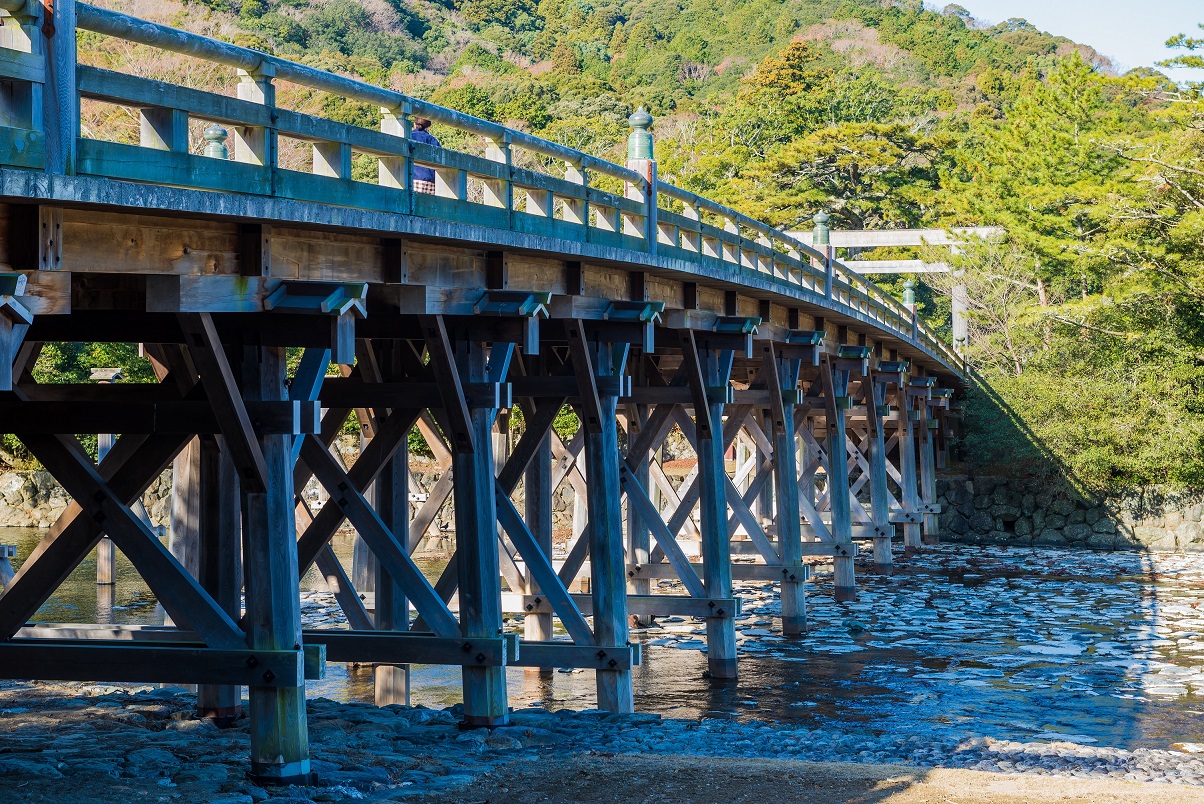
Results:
[639, 537]
[537, 488]
[782, 376]
[874, 397]
[106, 551]
[219, 563]
[708, 372]
[932, 531]
[907, 472]
[836, 399]
[392, 607]
[476, 540]
[279, 741]
[608, 568]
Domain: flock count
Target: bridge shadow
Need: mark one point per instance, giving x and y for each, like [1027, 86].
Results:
[1101, 660]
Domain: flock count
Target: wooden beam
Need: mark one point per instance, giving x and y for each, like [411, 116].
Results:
[613, 658]
[65, 660]
[443, 364]
[168, 417]
[643, 605]
[583, 368]
[409, 647]
[798, 573]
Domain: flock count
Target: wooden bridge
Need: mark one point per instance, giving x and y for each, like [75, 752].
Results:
[533, 277]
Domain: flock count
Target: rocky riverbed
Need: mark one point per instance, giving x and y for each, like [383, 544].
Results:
[1068, 664]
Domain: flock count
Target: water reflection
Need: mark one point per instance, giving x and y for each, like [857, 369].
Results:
[1008, 643]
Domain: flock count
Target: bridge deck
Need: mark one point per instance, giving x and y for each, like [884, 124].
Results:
[533, 277]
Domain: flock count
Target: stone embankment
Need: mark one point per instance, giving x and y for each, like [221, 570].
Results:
[1041, 513]
[34, 499]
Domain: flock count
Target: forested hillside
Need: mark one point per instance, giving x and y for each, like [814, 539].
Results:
[1088, 329]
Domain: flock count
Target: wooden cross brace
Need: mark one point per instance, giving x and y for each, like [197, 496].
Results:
[183, 598]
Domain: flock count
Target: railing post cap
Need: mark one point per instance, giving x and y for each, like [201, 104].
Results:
[215, 135]
[639, 143]
[821, 228]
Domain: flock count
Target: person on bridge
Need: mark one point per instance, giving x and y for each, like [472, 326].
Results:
[424, 177]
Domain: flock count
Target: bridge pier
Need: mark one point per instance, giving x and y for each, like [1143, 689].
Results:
[708, 370]
[476, 557]
[782, 378]
[279, 740]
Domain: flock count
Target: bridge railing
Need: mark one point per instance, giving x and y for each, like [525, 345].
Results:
[494, 190]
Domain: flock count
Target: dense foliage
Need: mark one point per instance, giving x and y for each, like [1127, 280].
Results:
[1088, 339]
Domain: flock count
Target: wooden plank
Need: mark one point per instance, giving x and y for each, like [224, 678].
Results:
[66, 660]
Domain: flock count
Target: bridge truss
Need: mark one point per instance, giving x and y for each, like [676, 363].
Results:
[534, 277]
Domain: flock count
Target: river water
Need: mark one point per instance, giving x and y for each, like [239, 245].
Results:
[1096, 648]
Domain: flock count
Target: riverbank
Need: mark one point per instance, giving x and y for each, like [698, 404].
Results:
[71, 744]
[1032, 664]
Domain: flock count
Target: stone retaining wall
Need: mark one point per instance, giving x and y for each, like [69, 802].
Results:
[1032, 512]
[34, 499]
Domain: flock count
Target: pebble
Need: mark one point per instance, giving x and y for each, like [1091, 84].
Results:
[1121, 629]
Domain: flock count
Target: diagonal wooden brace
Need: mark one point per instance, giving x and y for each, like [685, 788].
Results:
[209, 355]
[550, 586]
[391, 555]
[130, 467]
[176, 589]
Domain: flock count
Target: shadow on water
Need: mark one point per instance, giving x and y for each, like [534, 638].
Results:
[1099, 623]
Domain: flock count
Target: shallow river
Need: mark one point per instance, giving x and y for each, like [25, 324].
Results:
[1095, 648]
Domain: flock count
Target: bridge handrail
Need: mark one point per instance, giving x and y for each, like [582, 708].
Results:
[133, 29]
[633, 218]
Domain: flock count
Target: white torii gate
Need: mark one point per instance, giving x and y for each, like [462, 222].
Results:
[879, 238]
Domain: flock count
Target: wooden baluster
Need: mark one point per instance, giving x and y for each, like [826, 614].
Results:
[332, 159]
[395, 171]
[256, 145]
[164, 129]
[731, 250]
[576, 210]
[500, 192]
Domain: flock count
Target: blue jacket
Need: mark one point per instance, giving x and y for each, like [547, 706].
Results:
[423, 173]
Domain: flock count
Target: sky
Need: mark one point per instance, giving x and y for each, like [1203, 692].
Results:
[1133, 34]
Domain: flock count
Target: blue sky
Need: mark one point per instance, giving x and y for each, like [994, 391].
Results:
[1132, 33]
